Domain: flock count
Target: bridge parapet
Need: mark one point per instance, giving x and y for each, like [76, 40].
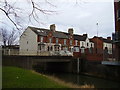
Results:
[35, 53]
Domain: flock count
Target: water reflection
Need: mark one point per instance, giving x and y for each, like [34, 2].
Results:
[82, 80]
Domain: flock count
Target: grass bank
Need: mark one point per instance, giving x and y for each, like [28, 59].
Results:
[14, 77]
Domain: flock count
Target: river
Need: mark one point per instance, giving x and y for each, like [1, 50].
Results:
[84, 79]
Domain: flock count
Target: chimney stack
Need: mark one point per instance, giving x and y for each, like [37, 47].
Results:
[52, 27]
[85, 35]
[108, 38]
[70, 31]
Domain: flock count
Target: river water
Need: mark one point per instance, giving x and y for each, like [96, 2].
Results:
[83, 79]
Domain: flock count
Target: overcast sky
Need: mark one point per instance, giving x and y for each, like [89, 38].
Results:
[82, 16]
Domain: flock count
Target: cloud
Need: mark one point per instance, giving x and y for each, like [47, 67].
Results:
[85, 17]
[82, 16]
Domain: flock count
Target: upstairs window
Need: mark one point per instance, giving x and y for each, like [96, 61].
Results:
[76, 42]
[41, 39]
[87, 44]
[82, 43]
[70, 42]
[50, 40]
[64, 41]
[57, 40]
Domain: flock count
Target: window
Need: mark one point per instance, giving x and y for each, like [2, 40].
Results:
[64, 41]
[91, 50]
[41, 39]
[76, 49]
[71, 49]
[41, 47]
[50, 48]
[118, 14]
[87, 44]
[91, 45]
[56, 48]
[76, 42]
[57, 40]
[82, 50]
[50, 40]
[82, 43]
[27, 42]
[70, 42]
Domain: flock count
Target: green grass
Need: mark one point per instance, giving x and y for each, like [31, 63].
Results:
[14, 77]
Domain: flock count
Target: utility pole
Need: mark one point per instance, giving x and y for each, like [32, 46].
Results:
[97, 38]
[97, 28]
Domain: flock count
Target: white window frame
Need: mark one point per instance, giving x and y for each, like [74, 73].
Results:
[70, 42]
[65, 41]
[76, 42]
[50, 40]
[41, 39]
[57, 40]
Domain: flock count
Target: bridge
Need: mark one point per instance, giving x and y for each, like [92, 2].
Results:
[42, 63]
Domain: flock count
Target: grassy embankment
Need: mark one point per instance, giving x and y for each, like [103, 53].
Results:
[19, 78]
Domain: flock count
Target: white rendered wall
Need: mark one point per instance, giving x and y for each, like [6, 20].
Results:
[28, 42]
[109, 46]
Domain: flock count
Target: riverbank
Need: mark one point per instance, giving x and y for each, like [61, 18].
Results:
[14, 77]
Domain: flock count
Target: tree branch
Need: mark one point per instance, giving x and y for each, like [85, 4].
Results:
[9, 18]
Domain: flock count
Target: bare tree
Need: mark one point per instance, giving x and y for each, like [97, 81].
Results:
[12, 12]
[12, 37]
[4, 36]
[9, 38]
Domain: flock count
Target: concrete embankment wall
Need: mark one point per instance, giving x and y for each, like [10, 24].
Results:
[105, 71]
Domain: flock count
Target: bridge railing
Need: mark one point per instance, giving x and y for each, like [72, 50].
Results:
[33, 52]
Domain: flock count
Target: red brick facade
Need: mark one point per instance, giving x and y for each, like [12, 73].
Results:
[98, 45]
[79, 45]
[117, 27]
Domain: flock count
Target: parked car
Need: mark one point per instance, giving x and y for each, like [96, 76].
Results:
[65, 53]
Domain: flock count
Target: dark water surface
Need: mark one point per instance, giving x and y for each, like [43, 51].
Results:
[83, 79]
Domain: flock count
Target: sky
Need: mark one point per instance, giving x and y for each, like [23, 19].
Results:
[81, 15]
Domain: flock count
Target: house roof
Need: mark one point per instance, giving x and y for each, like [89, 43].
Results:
[91, 40]
[57, 34]
[104, 39]
[40, 31]
[79, 37]
[44, 32]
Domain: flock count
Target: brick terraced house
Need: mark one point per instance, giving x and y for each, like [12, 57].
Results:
[104, 47]
[40, 41]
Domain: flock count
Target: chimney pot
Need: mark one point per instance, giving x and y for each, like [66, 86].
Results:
[52, 27]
